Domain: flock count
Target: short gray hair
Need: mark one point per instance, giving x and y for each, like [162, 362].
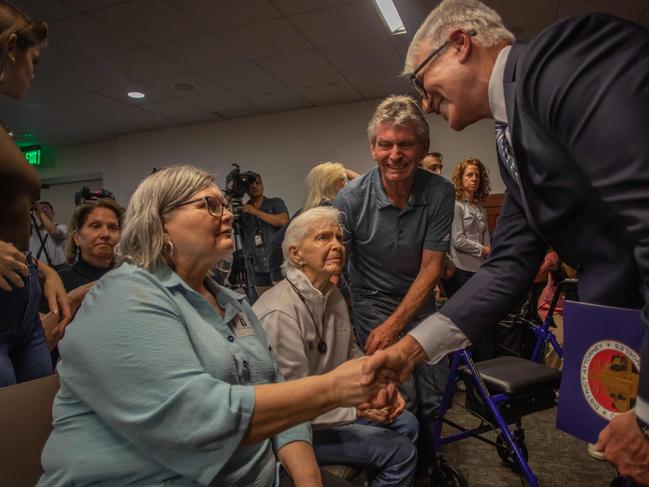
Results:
[143, 241]
[470, 15]
[399, 111]
[302, 225]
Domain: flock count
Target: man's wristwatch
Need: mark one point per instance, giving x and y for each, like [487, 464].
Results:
[644, 427]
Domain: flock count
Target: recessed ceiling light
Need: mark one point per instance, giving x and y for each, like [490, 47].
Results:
[136, 94]
[390, 16]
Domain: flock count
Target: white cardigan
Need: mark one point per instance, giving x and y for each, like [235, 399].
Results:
[294, 340]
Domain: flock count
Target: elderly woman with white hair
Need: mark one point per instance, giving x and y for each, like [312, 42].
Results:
[167, 378]
[306, 320]
[322, 184]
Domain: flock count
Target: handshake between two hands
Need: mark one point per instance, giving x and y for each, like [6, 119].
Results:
[370, 383]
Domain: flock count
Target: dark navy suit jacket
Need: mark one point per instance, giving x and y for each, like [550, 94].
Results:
[577, 101]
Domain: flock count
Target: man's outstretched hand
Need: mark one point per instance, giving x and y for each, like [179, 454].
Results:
[626, 447]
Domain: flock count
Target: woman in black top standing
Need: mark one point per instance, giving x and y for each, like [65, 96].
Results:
[94, 233]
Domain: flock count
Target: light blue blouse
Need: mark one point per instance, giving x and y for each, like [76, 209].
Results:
[156, 388]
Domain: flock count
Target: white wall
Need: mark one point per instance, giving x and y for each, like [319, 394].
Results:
[282, 147]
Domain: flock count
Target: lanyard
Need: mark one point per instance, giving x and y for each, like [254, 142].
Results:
[322, 345]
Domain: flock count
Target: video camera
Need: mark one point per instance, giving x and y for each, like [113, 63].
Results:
[86, 194]
[237, 183]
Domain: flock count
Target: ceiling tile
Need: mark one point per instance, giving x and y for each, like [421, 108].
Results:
[273, 97]
[362, 79]
[197, 118]
[289, 7]
[297, 65]
[88, 103]
[140, 65]
[364, 54]
[200, 52]
[340, 24]
[135, 20]
[504, 7]
[332, 83]
[627, 9]
[45, 11]
[225, 104]
[89, 5]
[526, 25]
[183, 86]
[266, 39]
[386, 90]
[85, 36]
[401, 45]
[645, 19]
[224, 14]
[174, 108]
[321, 99]
[325, 89]
[244, 75]
[53, 57]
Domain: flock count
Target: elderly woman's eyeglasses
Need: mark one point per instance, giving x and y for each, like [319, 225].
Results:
[417, 84]
[213, 204]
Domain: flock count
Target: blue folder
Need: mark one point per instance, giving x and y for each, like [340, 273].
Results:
[601, 367]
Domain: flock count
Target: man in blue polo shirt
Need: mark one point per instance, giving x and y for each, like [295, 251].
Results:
[396, 222]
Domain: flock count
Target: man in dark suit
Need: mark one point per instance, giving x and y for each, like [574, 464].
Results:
[571, 110]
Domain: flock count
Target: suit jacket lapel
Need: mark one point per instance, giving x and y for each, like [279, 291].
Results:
[513, 123]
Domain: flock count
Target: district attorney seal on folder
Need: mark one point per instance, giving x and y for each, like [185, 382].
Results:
[601, 367]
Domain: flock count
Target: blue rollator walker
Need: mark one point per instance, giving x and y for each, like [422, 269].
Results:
[500, 392]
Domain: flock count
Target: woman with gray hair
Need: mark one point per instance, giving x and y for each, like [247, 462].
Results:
[322, 184]
[306, 320]
[167, 378]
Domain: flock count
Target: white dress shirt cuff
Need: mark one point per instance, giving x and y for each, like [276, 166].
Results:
[439, 336]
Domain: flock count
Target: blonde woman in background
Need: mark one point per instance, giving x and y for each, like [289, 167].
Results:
[322, 184]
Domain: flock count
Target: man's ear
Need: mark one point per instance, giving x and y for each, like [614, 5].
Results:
[462, 43]
[373, 152]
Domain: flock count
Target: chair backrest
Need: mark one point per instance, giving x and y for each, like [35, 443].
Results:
[25, 424]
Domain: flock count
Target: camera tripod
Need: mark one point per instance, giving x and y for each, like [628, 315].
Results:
[242, 274]
[40, 239]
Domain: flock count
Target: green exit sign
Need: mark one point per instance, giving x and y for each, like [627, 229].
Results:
[33, 155]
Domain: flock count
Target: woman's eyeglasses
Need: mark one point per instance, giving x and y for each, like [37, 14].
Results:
[213, 204]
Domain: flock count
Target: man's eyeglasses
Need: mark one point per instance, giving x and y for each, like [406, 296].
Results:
[213, 204]
[417, 85]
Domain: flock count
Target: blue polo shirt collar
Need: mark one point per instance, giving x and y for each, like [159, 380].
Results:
[417, 193]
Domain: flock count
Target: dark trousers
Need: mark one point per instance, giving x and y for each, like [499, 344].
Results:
[23, 350]
[328, 480]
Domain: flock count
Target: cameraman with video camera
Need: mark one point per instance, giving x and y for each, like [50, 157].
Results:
[261, 220]
[47, 240]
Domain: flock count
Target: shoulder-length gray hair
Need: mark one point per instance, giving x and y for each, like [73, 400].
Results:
[302, 225]
[143, 238]
[399, 111]
[470, 15]
[321, 183]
